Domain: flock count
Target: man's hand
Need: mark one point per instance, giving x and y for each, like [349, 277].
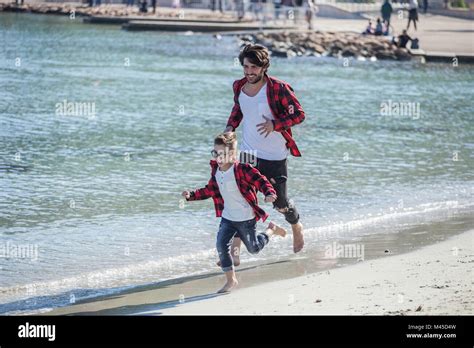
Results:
[186, 194]
[228, 129]
[270, 198]
[265, 127]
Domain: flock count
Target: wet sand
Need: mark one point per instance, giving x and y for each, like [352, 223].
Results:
[427, 265]
[433, 280]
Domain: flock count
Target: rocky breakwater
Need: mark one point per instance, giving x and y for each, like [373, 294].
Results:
[333, 44]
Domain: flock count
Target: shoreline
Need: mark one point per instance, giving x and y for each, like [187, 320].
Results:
[191, 295]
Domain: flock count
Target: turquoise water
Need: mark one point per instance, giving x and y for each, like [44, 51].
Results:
[99, 195]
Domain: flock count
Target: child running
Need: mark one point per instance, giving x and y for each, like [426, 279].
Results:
[233, 187]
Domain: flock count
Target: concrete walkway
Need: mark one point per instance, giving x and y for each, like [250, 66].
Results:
[436, 33]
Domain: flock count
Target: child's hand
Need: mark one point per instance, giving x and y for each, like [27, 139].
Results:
[186, 194]
[270, 198]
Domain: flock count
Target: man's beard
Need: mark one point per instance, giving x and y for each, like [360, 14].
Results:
[259, 77]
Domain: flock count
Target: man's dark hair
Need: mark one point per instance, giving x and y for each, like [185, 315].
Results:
[256, 54]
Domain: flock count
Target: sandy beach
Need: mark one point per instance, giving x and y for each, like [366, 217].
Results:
[435, 279]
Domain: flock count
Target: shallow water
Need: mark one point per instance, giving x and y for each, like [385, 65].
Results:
[98, 195]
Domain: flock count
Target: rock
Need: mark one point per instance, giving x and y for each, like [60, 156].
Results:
[348, 53]
[267, 43]
[301, 50]
[402, 54]
[385, 55]
[259, 37]
[247, 38]
[291, 53]
[277, 52]
[343, 41]
[318, 48]
[377, 47]
[335, 49]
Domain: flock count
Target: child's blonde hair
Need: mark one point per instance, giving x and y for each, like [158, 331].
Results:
[228, 139]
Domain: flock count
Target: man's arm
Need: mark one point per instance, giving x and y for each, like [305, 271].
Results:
[236, 114]
[234, 119]
[294, 113]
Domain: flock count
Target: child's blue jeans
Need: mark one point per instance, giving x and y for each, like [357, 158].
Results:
[246, 231]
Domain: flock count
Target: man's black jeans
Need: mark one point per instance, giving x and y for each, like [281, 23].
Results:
[277, 173]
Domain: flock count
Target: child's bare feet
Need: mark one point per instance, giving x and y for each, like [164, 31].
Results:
[228, 286]
[280, 231]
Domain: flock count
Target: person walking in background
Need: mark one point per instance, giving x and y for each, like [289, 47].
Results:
[143, 6]
[412, 13]
[425, 6]
[176, 4]
[256, 6]
[240, 8]
[277, 7]
[310, 11]
[215, 3]
[386, 10]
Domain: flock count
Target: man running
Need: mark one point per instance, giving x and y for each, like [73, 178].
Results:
[267, 108]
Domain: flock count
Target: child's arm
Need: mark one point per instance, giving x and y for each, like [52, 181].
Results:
[199, 194]
[259, 180]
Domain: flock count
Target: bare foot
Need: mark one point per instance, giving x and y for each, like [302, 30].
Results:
[228, 286]
[298, 240]
[280, 231]
[236, 261]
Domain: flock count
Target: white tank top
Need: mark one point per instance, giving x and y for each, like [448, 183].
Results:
[273, 147]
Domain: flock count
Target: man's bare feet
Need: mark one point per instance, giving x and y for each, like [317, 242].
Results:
[236, 259]
[280, 231]
[298, 240]
[228, 286]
